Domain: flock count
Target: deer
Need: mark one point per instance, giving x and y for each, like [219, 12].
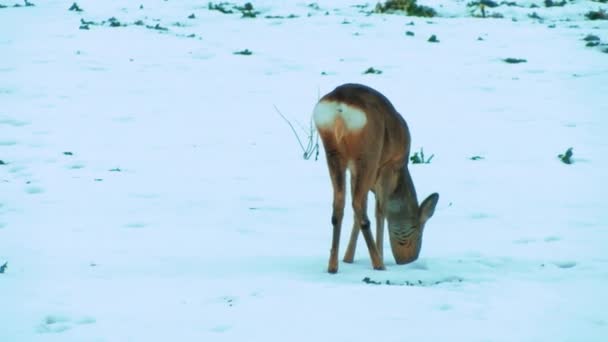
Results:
[363, 133]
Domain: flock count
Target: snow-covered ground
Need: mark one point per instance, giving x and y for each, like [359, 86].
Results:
[150, 192]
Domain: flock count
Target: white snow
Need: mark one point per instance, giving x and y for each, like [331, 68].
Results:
[184, 211]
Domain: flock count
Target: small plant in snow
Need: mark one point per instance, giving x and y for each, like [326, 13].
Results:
[482, 6]
[3, 267]
[511, 60]
[419, 158]
[192, 16]
[477, 158]
[566, 158]
[408, 6]
[372, 71]
[312, 145]
[220, 7]
[592, 40]
[75, 8]
[245, 52]
[433, 39]
[114, 22]
[2, 162]
[551, 3]
[248, 11]
[600, 14]
[157, 27]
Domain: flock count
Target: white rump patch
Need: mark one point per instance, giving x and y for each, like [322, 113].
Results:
[325, 114]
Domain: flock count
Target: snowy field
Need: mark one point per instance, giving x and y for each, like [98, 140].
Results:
[149, 191]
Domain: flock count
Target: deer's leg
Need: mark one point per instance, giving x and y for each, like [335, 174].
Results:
[380, 230]
[362, 184]
[337, 171]
[349, 256]
[384, 186]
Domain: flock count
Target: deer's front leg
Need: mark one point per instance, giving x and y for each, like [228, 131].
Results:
[380, 230]
[363, 181]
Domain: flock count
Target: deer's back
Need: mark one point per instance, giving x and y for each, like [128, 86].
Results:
[355, 119]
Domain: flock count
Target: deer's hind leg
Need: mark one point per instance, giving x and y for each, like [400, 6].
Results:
[337, 171]
[349, 256]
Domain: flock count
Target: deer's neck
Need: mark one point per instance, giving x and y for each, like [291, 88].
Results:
[406, 192]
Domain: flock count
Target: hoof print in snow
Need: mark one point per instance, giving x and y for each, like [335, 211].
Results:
[60, 323]
[76, 167]
[136, 225]
[372, 71]
[565, 264]
[410, 33]
[566, 158]
[68, 153]
[552, 239]
[2, 162]
[433, 39]
[477, 158]
[230, 301]
[54, 324]
[3, 267]
[116, 169]
[511, 60]
[75, 8]
[192, 16]
[34, 190]
[245, 52]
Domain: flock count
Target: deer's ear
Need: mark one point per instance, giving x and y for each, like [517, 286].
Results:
[427, 208]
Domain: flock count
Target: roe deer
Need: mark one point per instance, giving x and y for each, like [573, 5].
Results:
[362, 132]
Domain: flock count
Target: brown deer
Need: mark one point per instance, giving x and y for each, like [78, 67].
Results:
[362, 132]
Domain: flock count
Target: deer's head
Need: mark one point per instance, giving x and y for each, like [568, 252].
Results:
[406, 220]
